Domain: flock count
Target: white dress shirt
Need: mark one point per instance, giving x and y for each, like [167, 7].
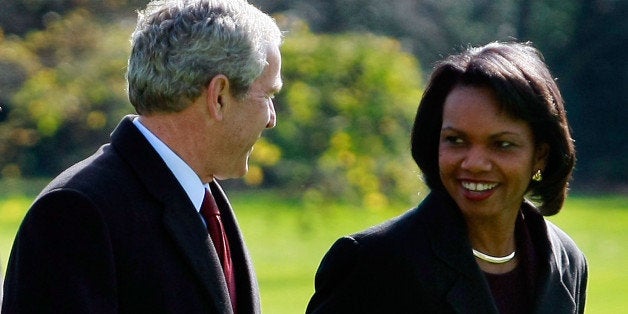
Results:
[188, 179]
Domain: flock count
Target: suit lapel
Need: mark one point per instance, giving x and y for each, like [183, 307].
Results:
[469, 290]
[248, 295]
[554, 297]
[180, 218]
[552, 294]
[197, 248]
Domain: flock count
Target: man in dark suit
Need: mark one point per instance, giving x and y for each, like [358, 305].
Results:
[125, 230]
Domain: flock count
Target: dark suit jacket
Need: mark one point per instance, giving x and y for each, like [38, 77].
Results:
[421, 262]
[117, 233]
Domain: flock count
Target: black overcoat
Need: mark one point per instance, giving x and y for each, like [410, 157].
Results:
[116, 233]
[421, 262]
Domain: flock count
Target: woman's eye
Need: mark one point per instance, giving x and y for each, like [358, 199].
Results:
[453, 140]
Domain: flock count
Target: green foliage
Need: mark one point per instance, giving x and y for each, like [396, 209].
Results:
[66, 91]
[62, 85]
[345, 116]
[583, 41]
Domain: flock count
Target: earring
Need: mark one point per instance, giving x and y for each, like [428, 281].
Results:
[538, 176]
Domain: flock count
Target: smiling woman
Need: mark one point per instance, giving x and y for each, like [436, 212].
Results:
[490, 121]
[486, 159]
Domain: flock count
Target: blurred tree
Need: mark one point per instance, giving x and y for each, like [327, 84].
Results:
[21, 16]
[345, 117]
[428, 28]
[583, 41]
[593, 70]
[345, 114]
[65, 90]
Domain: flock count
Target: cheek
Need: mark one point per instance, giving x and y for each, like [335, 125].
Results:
[525, 174]
[258, 113]
[446, 161]
[445, 169]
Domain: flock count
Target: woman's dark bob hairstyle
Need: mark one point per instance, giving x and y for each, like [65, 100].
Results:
[526, 90]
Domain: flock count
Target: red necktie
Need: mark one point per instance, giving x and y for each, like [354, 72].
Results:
[211, 214]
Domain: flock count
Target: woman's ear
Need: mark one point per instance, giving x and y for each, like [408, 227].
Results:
[217, 90]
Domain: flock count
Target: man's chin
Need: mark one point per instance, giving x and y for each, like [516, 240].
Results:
[235, 175]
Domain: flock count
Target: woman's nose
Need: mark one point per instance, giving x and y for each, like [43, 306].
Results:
[476, 160]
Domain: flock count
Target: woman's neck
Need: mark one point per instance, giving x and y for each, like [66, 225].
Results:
[493, 236]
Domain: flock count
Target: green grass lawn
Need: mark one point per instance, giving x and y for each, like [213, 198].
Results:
[287, 241]
[599, 225]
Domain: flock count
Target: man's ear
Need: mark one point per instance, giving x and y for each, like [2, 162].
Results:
[217, 92]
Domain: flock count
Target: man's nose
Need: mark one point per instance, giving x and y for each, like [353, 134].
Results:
[273, 117]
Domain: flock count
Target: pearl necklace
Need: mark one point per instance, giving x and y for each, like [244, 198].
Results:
[493, 259]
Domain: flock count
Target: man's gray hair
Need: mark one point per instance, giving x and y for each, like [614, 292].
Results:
[178, 46]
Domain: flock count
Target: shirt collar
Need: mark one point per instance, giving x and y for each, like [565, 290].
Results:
[189, 180]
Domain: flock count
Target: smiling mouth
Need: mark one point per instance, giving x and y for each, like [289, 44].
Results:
[478, 186]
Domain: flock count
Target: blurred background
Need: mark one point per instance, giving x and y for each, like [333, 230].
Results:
[354, 71]
[339, 159]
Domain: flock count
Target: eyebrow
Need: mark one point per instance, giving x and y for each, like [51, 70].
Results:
[492, 135]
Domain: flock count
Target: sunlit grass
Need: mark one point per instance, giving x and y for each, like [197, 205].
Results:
[599, 225]
[12, 210]
[287, 240]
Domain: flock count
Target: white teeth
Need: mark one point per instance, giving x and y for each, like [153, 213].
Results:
[478, 187]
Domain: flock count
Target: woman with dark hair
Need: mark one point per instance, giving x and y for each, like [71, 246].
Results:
[490, 136]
